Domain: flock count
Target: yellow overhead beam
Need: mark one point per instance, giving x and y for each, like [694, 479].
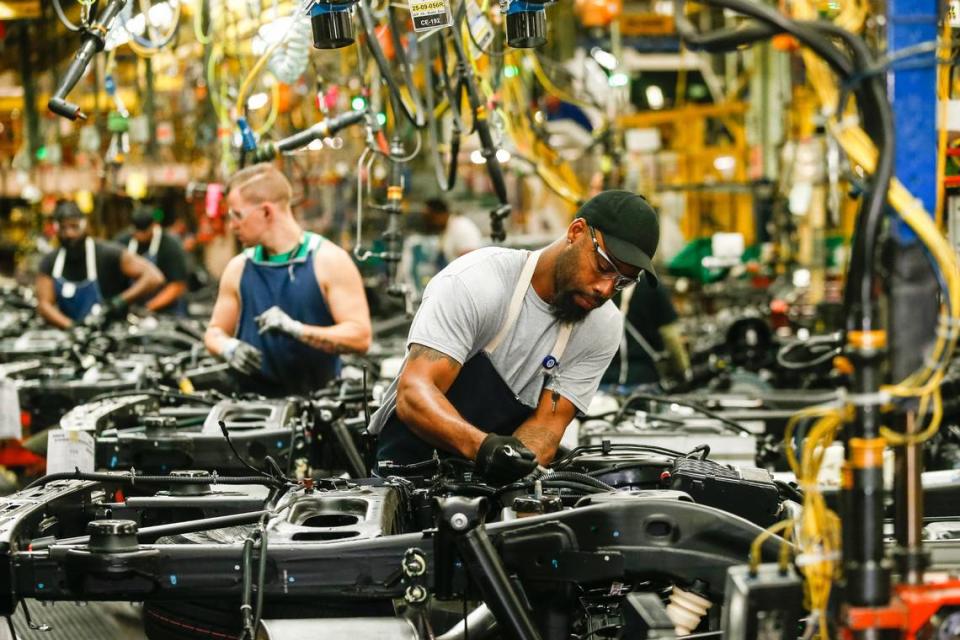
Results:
[19, 9]
[683, 114]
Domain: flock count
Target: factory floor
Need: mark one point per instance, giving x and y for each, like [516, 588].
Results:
[71, 621]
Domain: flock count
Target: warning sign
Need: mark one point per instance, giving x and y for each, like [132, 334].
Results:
[481, 32]
[430, 14]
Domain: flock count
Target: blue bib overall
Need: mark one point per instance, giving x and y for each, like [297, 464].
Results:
[77, 299]
[289, 366]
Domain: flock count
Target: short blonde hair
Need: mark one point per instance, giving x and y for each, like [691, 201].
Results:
[261, 183]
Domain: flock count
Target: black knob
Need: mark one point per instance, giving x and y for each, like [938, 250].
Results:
[112, 536]
[199, 488]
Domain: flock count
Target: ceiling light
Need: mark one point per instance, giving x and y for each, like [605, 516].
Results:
[257, 101]
[619, 80]
[724, 164]
[604, 58]
[654, 97]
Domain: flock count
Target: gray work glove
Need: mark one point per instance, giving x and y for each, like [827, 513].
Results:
[242, 357]
[276, 319]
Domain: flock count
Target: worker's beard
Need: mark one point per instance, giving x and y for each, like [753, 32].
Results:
[72, 245]
[564, 306]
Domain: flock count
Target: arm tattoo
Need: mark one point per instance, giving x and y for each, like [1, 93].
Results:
[430, 355]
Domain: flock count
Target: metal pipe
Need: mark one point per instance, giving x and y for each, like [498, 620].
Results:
[495, 587]
[908, 516]
[479, 624]
[188, 526]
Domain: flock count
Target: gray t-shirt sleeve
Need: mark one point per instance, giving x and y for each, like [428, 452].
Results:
[578, 380]
[448, 320]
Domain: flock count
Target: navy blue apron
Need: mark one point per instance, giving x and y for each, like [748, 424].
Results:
[179, 306]
[77, 299]
[289, 366]
[479, 393]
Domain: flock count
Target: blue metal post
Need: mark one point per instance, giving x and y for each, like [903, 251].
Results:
[913, 93]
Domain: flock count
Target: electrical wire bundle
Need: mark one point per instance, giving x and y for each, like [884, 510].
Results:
[818, 531]
[818, 534]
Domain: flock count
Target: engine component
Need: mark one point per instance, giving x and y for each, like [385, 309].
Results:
[190, 437]
[676, 432]
[108, 413]
[686, 610]
[765, 604]
[748, 492]
[645, 618]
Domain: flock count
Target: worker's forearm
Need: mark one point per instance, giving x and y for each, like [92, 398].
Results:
[345, 337]
[543, 442]
[166, 296]
[147, 283]
[215, 340]
[52, 314]
[429, 414]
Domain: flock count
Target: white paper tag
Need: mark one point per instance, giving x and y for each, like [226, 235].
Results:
[480, 29]
[430, 14]
[9, 410]
[68, 289]
[69, 450]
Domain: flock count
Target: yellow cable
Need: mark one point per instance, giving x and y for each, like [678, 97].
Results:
[757, 545]
[198, 27]
[274, 110]
[943, 95]
[254, 72]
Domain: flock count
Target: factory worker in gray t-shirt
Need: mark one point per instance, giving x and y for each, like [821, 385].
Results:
[509, 345]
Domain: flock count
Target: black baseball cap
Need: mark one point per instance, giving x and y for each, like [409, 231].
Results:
[629, 225]
[65, 210]
[142, 218]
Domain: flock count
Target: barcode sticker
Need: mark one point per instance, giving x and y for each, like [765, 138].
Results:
[69, 450]
[430, 14]
[9, 409]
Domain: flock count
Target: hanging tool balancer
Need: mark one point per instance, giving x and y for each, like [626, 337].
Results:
[94, 38]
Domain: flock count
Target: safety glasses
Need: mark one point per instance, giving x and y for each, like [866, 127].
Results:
[608, 270]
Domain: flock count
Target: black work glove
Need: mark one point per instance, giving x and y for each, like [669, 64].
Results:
[504, 459]
[243, 357]
[115, 307]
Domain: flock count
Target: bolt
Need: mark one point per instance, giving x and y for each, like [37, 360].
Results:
[459, 521]
[415, 593]
[415, 565]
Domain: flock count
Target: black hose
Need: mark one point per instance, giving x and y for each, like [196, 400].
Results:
[768, 15]
[414, 113]
[878, 122]
[246, 564]
[446, 176]
[127, 478]
[616, 446]
[574, 476]
[261, 574]
[159, 393]
[685, 403]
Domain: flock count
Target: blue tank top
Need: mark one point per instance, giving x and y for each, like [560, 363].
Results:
[291, 365]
